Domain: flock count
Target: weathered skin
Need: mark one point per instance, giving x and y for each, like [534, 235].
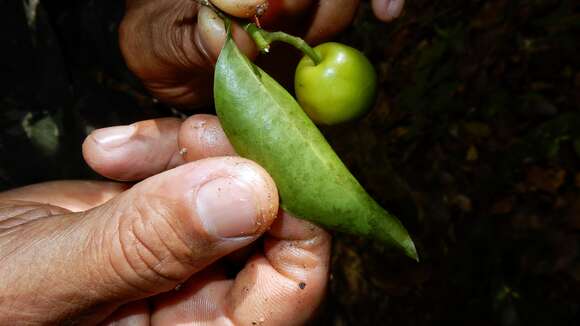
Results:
[265, 124]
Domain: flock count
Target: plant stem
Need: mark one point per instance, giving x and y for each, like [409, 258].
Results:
[264, 38]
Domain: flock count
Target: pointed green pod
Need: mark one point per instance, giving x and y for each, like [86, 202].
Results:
[264, 123]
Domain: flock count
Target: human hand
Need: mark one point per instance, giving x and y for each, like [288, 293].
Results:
[171, 45]
[89, 252]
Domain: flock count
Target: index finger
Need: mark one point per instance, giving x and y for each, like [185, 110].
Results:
[153, 146]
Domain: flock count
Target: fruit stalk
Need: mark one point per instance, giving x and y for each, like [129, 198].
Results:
[263, 39]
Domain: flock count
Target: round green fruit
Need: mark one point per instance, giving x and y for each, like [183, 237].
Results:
[340, 88]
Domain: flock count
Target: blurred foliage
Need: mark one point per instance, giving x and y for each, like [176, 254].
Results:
[474, 143]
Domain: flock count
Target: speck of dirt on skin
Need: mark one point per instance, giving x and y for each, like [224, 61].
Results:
[301, 285]
[261, 9]
[199, 125]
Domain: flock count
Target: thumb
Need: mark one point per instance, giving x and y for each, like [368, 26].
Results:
[147, 240]
[211, 35]
[171, 46]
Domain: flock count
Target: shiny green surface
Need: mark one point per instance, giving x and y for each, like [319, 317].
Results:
[265, 124]
[340, 88]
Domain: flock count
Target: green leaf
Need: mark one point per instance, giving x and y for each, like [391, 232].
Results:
[265, 124]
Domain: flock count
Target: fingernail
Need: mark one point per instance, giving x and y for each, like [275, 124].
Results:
[228, 208]
[113, 137]
[395, 7]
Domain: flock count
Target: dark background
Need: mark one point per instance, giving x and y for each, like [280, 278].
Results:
[474, 143]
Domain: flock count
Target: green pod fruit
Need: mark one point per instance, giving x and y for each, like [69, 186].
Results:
[265, 124]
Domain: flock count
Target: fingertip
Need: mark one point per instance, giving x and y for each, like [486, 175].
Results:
[262, 295]
[210, 36]
[226, 197]
[201, 136]
[298, 249]
[294, 269]
[210, 33]
[388, 10]
[133, 152]
[330, 18]
[102, 148]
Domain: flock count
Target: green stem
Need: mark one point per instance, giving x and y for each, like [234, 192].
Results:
[264, 38]
[259, 37]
